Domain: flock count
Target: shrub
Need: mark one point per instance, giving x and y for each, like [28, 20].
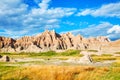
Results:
[6, 53]
[117, 52]
[99, 58]
[92, 50]
[92, 55]
[49, 53]
[106, 55]
[71, 53]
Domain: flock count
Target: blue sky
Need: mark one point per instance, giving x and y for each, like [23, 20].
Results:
[89, 18]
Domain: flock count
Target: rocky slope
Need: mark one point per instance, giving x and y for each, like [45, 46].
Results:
[50, 40]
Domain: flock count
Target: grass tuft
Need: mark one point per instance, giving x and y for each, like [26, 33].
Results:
[117, 52]
[71, 53]
[92, 50]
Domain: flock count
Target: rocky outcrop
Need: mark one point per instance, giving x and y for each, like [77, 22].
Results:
[50, 40]
[7, 44]
[4, 58]
[86, 59]
[111, 47]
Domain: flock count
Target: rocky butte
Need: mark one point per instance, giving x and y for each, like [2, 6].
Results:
[50, 40]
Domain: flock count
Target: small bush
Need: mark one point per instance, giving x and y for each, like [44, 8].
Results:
[6, 53]
[71, 53]
[92, 55]
[117, 52]
[92, 50]
[106, 55]
[49, 53]
[99, 58]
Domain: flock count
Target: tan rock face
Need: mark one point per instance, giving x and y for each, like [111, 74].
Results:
[23, 42]
[4, 58]
[6, 42]
[47, 40]
[50, 40]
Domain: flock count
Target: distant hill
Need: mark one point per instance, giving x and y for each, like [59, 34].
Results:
[50, 40]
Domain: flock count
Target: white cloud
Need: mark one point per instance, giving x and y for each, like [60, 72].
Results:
[85, 12]
[115, 29]
[94, 30]
[102, 29]
[114, 32]
[12, 7]
[17, 18]
[44, 4]
[108, 10]
[114, 36]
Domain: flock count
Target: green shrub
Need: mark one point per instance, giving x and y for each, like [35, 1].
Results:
[94, 55]
[49, 53]
[117, 52]
[6, 53]
[106, 55]
[99, 58]
[71, 53]
[92, 50]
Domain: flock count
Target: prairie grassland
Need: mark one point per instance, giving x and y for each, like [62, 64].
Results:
[103, 57]
[117, 52]
[38, 71]
[67, 53]
[56, 73]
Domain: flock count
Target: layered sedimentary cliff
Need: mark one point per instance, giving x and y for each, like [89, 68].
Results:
[50, 40]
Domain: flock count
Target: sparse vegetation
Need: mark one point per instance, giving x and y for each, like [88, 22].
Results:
[112, 74]
[43, 71]
[49, 53]
[6, 69]
[71, 53]
[44, 54]
[103, 57]
[92, 55]
[106, 55]
[117, 52]
[92, 50]
[116, 64]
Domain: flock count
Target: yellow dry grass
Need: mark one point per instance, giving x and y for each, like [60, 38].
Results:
[48, 72]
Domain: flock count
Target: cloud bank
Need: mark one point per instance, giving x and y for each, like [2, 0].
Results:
[17, 19]
[108, 10]
[102, 29]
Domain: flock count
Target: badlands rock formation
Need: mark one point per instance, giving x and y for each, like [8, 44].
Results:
[4, 58]
[50, 40]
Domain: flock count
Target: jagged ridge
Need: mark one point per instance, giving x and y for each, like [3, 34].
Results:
[50, 40]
